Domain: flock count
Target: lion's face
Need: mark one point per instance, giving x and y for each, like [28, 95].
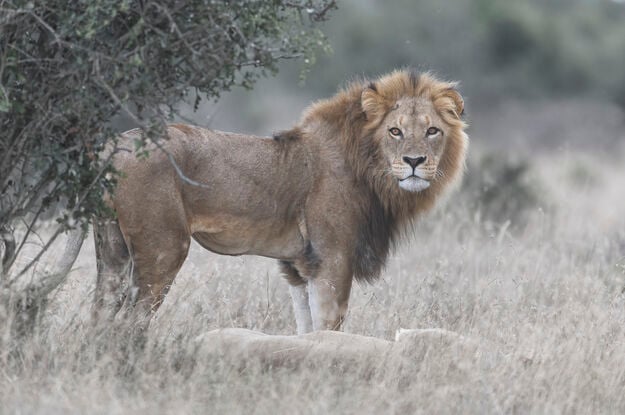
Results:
[413, 120]
[412, 139]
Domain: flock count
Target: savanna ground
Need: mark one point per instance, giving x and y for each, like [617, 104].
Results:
[542, 296]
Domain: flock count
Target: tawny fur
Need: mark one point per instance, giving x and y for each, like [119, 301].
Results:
[324, 198]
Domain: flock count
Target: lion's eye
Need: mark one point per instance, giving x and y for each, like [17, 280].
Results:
[432, 131]
[395, 132]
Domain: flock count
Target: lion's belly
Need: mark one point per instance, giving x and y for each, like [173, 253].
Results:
[243, 237]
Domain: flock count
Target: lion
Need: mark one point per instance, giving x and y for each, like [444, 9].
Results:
[328, 198]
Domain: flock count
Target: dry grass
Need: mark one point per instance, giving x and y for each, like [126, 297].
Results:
[543, 302]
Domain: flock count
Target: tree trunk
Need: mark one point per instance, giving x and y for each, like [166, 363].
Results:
[28, 301]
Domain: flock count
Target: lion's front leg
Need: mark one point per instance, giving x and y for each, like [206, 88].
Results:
[301, 308]
[328, 295]
[299, 295]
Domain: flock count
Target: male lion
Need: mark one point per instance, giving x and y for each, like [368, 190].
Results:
[326, 198]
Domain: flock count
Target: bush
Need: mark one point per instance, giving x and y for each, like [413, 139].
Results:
[67, 69]
[500, 189]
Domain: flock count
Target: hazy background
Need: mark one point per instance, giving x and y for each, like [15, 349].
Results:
[553, 69]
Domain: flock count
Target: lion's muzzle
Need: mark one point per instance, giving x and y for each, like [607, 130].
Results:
[414, 184]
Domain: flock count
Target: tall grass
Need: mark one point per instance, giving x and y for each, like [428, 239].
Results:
[543, 300]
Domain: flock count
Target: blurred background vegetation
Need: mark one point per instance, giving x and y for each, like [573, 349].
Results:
[499, 49]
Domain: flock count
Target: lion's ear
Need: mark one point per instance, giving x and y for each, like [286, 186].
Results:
[456, 98]
[373, 104]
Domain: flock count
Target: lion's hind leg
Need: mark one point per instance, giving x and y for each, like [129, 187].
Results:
[114, 267]
[158, 255]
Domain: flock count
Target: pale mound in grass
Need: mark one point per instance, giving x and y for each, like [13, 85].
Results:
[343, 351]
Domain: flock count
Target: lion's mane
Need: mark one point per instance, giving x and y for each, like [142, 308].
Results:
[389, 211]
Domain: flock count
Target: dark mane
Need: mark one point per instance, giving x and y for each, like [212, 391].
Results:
[376, 234]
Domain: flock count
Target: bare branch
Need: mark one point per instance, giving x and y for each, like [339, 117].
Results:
[44, 284]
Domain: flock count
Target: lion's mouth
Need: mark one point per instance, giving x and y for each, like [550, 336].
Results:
[414, 183]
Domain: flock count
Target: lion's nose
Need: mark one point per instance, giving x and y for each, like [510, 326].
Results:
[414, 161]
